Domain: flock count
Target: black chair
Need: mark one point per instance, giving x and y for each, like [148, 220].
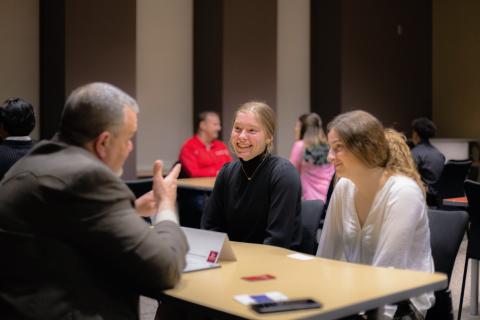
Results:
[311, 215]
[444, 252]
[140, 186]
[472, 190]
[450, 184]
[190, 206]
[331, 186]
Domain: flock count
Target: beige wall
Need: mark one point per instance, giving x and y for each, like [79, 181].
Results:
[456, 68]
[19, 58]
[293, 69]
[164, 79]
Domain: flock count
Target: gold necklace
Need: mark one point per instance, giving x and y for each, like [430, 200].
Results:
[254, 171]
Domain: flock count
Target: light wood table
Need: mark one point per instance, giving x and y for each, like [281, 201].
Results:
[343, 288]
[201, 184]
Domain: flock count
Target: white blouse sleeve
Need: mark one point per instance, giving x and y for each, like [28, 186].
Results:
[404, 240]
[404, 215]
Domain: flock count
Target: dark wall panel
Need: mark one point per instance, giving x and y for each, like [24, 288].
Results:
[249, 55]
[207, 56]
[372, 55]
[326, 62]
[52, 65]
[386, 54]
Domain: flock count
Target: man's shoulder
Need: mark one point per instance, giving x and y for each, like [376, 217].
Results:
[191, 142]
[426, 150]
[48, 158]
[421, 150]
[219, 144]
[418, 147]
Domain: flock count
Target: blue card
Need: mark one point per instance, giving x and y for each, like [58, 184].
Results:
[261, 298]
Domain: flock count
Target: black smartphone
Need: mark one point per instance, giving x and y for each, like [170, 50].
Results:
[289, 305]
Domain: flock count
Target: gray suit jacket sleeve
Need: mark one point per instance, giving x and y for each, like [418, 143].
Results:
[103, 222]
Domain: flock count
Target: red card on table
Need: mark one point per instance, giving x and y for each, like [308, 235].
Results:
[259, 277]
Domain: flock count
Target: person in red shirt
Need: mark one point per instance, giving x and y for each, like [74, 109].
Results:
[203, 155]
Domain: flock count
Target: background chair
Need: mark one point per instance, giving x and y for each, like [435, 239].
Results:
[472, 190]
[311, 215]
[331, 186]
[140, 186]
[450, 184]
[190, 206]
[444, 252]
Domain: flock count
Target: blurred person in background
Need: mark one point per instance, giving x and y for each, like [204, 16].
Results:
[17, 120]
[309, 156]
[429, 160]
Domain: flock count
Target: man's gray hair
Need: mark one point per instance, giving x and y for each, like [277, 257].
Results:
[91, 110]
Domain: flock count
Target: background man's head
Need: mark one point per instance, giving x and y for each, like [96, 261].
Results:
[102, 119]
[17, 118]
[208, 124]
[422, 130]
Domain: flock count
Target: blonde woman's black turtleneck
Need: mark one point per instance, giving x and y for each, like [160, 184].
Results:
[264, 209]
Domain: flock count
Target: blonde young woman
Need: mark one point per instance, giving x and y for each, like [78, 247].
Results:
[257, 197]
[309, 156]
[377, 214]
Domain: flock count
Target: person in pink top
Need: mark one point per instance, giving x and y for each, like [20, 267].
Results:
[309, 155]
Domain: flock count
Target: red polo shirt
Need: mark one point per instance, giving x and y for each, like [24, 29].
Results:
[198, 161]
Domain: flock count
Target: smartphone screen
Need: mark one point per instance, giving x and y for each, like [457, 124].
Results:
[288, 305]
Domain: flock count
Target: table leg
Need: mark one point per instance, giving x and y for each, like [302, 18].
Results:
[474, 287]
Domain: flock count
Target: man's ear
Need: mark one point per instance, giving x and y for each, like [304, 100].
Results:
[101, 143]
[201, 125]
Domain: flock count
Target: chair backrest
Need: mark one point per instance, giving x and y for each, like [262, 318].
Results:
[472, 191]
[447, 229]
[311, 215]
[140, 186]
[450, 184]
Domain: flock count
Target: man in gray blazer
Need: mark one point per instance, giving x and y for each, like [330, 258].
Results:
[72, 242]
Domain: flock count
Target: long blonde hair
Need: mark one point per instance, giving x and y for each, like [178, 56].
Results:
[401, 160]
[313, 131]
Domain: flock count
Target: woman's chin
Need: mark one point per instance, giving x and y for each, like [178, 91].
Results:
[243, 156]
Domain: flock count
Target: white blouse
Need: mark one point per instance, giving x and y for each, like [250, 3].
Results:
[394, 234]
